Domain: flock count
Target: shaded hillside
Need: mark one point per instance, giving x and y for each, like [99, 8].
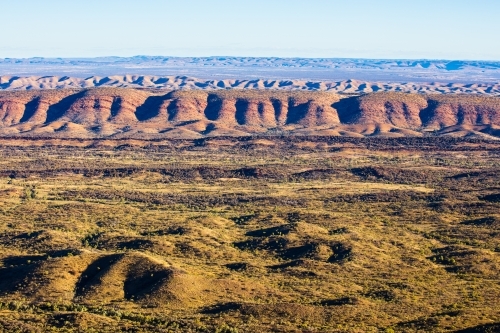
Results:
[134, 113]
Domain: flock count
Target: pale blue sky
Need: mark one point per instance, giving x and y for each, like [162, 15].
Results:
[437, 29]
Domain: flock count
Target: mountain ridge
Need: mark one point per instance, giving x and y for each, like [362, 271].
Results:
[142, 113]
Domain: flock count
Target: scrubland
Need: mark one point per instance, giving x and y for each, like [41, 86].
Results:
[302, 234]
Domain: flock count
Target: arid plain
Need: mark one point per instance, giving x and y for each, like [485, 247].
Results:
[285, 234]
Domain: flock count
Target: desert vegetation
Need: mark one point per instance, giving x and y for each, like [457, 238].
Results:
[251, 234]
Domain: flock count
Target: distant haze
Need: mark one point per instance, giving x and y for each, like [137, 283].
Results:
[251, 68]
[389, 29]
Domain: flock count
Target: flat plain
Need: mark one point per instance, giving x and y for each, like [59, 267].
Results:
[250, 234]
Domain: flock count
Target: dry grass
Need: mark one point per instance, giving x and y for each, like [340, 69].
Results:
[216, 237]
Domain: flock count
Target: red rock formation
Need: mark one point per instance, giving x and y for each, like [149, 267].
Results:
[186, 107]
[98, 106]
[111, 110]
[462, 110]
[397, 109]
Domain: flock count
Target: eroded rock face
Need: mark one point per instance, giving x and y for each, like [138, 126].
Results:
[101, 106]
[186, 108]
[401, 110]
[237, 112]
[28, 106]
[462, 110]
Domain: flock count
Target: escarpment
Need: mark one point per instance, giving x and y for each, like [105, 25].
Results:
[134, 112]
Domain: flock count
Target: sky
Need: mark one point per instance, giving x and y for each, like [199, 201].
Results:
[385, 29]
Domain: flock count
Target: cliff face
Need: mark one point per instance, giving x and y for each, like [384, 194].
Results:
[243, 111]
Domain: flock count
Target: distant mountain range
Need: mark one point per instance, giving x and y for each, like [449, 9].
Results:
[329, 69]
[264, 62]
[190, 83]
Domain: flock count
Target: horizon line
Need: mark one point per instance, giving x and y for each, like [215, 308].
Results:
[256, 57]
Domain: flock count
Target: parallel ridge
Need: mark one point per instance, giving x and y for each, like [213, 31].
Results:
[141, 113]
[191, 83]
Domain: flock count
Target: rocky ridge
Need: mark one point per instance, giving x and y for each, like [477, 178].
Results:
[142, 113]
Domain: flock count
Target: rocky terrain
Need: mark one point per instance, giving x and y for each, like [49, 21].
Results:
[191, 114]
